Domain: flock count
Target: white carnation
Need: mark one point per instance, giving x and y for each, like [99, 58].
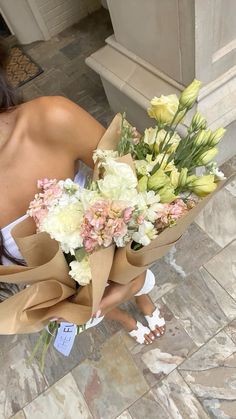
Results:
[63, 224]
[80, 271]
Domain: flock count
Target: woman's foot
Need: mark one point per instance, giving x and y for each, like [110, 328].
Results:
[147, 308]
[129, 324]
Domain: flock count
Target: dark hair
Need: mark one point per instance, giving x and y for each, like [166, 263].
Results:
[8, 101]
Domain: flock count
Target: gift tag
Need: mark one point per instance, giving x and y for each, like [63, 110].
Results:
[65, 338]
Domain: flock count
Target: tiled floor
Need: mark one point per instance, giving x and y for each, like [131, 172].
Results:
[188, 373]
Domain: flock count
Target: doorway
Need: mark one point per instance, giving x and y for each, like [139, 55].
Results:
[4, 30]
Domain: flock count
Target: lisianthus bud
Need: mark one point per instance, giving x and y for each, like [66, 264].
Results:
[203, 185]
[174, 178]
[216, 136]
[198, 122]
[142, 184]
[183, 177]
[164, 108]
[158, 180]
[189, 95]
[167, 194]
[201, 138]
[207, 156]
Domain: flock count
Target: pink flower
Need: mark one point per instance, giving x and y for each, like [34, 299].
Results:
[128, 214]
[46, 183]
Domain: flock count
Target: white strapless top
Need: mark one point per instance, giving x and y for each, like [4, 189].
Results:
[10, 243]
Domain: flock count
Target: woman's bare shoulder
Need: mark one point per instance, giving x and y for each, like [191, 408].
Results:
[60, 120]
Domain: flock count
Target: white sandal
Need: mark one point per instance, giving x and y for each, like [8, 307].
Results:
[155, 320]
[140, 332]
[148, 284]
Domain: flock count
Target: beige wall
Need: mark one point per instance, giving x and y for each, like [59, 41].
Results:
[60, 14]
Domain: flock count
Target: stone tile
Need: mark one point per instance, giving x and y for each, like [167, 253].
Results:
[87, 345]
[164, 354]
[214, 221]
[71, 50]
[211, 375]
[201, 305]
[223, 268]
[178, 263]
[231, 187]
[124, 415]
[19, 415]
[20, 383]
[231, 330]
[171, 398]
[52, 82]
[112, 383]
[229, 167]
[62, 400]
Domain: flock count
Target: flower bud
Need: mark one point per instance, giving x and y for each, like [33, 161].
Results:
[201, 138]
[198, 122]
[142, 184]
[189, 95]
[183, 177]
[203, 185]
[216, 136]
[158, 180]
[207, 156]
[174, 178]
[167, 194]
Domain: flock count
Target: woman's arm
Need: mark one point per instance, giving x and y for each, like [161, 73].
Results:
[70, 127]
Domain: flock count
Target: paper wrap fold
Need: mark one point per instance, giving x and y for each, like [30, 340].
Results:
[52, 292]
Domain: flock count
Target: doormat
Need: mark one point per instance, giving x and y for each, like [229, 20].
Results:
[21, 68]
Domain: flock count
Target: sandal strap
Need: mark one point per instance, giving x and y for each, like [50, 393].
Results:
[155, 320]
[140, 332]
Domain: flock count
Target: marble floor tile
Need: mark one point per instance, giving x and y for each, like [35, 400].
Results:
[171, 398]
[19, 415]
[201, 306]
[112, 383]
[124, 415]
[218, 218]
[178, 263]
[229, 167]
[231, 330]
[211, 375]
[87, 345]
[20, 383]
[157, 360]
[223, 268]
[62, 400]
[231, 187]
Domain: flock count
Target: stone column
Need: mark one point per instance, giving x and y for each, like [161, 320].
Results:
[160, 46]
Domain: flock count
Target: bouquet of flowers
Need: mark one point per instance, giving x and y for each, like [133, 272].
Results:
[145, 192]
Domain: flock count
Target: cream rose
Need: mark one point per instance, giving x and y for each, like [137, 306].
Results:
[164, 108]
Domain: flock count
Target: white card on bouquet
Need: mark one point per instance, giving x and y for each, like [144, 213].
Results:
[65, 338]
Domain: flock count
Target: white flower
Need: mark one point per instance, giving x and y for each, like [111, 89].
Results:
[142, 167]
[88, 198]
[63, 224]
[80, 271]
[102, 155]
[150, 135]
[145, 233]
[212, 169]
[148, 204]
[119, 182]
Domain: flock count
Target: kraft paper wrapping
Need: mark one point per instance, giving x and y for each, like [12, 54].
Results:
[52, 292]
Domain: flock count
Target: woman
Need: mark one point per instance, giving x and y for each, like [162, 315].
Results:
[44, 138]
